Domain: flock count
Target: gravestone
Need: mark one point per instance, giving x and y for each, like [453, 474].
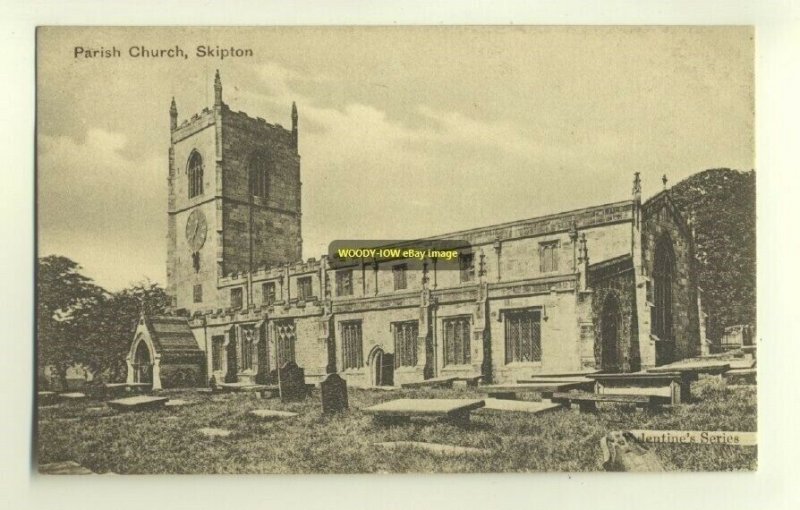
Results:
[292, 382]
[334, 394]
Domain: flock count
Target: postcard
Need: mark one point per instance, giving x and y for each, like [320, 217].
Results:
[429, 249]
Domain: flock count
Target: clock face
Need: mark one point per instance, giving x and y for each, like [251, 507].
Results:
[196, 229]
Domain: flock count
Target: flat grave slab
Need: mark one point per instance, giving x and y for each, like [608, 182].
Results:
[114, 386]
[556, 380]
[241, 386]
[46, 397]
[693, 366]
[510, 391]
[560, 375]
[742, 364]
[403, 409]
[72, 396]
[436, 382]
[498, 405]
[440, 449]
[140, 402]
[68, 467]
[272, 415]
[212, 432]
[179, 403]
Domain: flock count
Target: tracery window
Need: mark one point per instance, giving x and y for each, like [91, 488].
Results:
[456, 341]
[523, 335]
[405, 343]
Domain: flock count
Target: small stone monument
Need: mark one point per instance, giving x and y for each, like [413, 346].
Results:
[622, 452]
[334, 394]
[292, 382]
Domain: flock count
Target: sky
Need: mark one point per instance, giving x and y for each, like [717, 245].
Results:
[404, 132]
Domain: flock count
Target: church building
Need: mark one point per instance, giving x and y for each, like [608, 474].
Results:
[610, 287]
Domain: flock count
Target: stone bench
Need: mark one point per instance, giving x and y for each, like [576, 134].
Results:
[674, 385]
[587, 402]
[437, 382]
[740, 375]
[402, 410]
[545, 389]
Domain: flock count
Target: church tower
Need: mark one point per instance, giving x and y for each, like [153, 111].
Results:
[234, 200]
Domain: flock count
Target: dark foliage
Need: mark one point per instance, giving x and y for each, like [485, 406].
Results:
[79, 323]
[723, 202]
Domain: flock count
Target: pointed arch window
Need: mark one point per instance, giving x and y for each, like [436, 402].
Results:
[195, 174]
[663, 278]
[259, 176]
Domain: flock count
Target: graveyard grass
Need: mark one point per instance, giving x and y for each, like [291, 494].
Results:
[167, 440]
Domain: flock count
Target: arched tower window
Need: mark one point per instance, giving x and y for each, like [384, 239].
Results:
[195, 174]
[259, 175]
[663, 278]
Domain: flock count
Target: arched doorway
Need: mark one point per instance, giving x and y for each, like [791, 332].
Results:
[662, 313]
[382, 368]
[610, 334]
[142, 364]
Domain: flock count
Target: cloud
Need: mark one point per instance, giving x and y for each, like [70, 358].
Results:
[101, 207]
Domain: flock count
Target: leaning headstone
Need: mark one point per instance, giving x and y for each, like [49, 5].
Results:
[292, 383]
[334, 394]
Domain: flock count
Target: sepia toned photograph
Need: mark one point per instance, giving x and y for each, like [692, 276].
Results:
[430, 249]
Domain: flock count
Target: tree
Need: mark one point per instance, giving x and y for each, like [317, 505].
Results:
[63, 299]
[79, 323]
[723, 204]
[109, 328]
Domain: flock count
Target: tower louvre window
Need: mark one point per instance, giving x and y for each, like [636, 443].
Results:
[195, 174]
[259, 176]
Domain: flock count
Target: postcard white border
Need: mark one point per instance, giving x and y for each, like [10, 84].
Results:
[778, 80]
